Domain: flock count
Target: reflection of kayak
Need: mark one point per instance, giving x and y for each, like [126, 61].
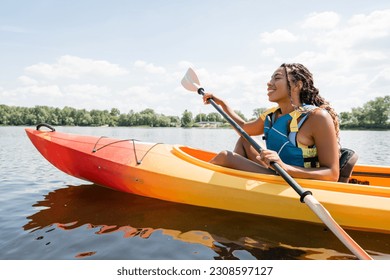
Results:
[226, 233]
[182, 174]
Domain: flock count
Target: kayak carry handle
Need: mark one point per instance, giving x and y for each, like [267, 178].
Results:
[46, 125]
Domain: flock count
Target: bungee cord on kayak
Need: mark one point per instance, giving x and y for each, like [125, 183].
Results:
[94, 150]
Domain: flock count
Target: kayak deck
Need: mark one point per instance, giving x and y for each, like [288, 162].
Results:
[376, 177]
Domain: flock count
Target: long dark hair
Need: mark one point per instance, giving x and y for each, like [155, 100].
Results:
[309, 94]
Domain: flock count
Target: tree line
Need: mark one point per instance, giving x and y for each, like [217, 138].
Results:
[68, 116]
[374, 114]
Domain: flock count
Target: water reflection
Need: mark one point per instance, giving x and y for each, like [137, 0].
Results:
[230, 235]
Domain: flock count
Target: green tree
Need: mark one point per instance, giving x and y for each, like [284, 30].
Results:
[174, 121]
[186, 119]
[4, 115]
[201, 117]
[83, 118]
[148, 117]
[114, 116]
[214, 117]
[41, 113]
[373, 114]
[115, 112]
[68, 116]
[377, 111]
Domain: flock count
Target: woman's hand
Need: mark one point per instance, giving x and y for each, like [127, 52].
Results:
[208, 95]
[268, 156]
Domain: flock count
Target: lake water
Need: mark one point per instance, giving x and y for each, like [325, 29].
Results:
[46, 214]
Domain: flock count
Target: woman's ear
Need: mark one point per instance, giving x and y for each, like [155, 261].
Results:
[298, 86]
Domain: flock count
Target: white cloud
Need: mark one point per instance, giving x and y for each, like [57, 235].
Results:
[185, 64]
[349, 57]
[360, 29]
[32, 95]
[149, 67]
[278, 36]
[136, 92]
[351, 50]
[27, 80]
[52, 91]
[324, 20]
[269, 52]
[150, 96]
[373, 25]
[74, 67]
[81, 90]
[381, 80]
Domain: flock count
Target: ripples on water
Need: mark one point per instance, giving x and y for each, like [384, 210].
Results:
[46, 214]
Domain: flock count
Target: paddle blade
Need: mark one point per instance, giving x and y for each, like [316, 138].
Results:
[190, 81]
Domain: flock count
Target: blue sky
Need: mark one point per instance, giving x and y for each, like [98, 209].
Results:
[132, 54]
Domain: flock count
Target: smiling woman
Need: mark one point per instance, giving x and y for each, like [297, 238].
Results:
[301, 133]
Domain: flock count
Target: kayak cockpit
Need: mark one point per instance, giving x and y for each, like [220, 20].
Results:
[378, 177]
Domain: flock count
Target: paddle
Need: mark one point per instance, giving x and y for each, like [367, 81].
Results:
[191, 82]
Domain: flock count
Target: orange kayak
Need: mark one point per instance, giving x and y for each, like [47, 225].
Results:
[183, 174]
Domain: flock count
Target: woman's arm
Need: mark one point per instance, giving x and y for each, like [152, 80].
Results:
[255, 127]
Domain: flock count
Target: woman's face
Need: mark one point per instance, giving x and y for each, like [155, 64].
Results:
[277, 87]
[279, 91]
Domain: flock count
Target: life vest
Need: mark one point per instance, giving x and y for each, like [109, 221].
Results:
[280, 136]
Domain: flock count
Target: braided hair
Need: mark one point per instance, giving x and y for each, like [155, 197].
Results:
[309, 94]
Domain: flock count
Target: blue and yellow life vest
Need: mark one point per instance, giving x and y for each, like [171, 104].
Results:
[281, 134]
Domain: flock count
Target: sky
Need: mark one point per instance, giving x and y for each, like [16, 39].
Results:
[132, 55]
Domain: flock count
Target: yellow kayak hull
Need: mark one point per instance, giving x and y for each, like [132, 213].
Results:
[183, 174]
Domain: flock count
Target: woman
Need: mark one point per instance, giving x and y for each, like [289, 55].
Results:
[301, 133]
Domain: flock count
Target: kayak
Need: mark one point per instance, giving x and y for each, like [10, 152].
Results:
[183, 174]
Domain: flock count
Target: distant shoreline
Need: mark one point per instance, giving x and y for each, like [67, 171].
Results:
[374, 115]
[194, 127]
[364, 128]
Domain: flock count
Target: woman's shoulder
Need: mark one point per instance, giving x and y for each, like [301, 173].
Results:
[320, 115]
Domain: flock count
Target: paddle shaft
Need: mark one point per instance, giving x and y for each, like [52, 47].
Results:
[305, 196]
